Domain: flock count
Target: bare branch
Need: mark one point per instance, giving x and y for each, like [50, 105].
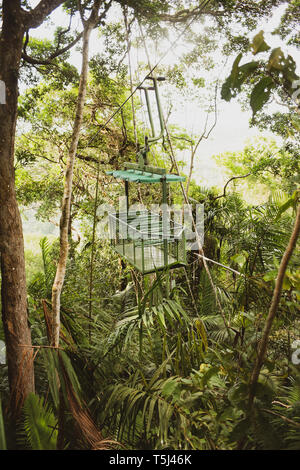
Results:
[80, 9]
[205, 135]
[231, 179]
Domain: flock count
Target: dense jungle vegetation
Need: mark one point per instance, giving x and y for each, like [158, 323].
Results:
[98, 356]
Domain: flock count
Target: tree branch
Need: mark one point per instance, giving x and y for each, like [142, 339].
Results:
[35, 17]
[48, 61]
[92, 20]
[80, 9]
[231, 179]
[183, 15]
[204, 135]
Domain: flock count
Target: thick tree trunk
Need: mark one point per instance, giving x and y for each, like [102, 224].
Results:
[13, 281]
[15, 21]
[66, 202]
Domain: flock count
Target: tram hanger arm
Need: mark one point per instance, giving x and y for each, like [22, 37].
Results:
[155, 80]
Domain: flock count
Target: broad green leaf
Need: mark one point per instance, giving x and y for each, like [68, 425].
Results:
[226, 93]
[247, 69]
[237, 77]
[289, 72]
[261, 94]
[235, 68]
[229, 84]
[278, 63]
[259, 44]
[276, 60]
[264, 390]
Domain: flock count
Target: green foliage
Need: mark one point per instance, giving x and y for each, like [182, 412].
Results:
[33, 257]
[238, 76]
[39, 424]
[152, 360]
[267, 162]
[40, 285]
[278, 72]
[286, 125]
[57, 71]
[289, 22]
[157, 374]
[43, 189]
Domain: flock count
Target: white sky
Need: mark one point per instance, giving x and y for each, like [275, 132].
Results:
[232, 129]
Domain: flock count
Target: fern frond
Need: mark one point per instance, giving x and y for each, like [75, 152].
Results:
[39, 424]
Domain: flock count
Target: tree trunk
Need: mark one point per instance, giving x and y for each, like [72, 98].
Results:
[13, 284]
[66, 202]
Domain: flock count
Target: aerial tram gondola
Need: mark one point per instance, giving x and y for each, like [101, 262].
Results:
[147, 240]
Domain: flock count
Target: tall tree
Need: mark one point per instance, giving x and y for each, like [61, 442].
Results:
[15, 21]
[88, 25]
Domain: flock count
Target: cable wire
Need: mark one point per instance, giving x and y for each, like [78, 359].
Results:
[204, 4]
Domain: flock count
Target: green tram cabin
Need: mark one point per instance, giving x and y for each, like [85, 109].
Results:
[149, 241]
